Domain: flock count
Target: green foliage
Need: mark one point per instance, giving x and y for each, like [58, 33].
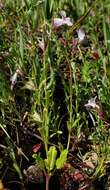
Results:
[40, 161]
[62, 159]
[5, 93]
[51, 158]
[52, 162]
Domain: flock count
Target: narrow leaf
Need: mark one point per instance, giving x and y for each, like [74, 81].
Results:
[21, 45]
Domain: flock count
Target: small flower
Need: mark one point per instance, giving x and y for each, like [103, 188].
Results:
[13, 78]
[100, 112]
[36, 147]
[92, 103]
[41, 44]
[57, 22]
[81, 34]
[82, 37]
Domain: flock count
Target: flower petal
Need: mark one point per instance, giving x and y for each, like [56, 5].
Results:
[41, 44]
[81, 34]
[57, 22]
[13, 80]
[91, 103]
[67, 21]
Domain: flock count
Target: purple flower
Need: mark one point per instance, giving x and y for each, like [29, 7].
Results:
[81, 35]
[82, 38]
[92, 103]
[57, 22]
[13, 78]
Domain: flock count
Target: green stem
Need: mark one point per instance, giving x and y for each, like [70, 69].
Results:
[69, 136]
[46, 148]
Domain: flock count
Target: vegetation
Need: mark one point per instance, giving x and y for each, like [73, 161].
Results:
[54, 95]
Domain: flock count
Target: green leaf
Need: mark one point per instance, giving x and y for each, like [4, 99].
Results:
[62, 159]
[51, 158]
[17, 168]
[39, 161]
[21, 44]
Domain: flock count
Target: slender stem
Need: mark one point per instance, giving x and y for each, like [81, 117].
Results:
[69, 136]
[46, 104]
[70, 107]
[46, 148]
[48, 176]
[70, 101]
